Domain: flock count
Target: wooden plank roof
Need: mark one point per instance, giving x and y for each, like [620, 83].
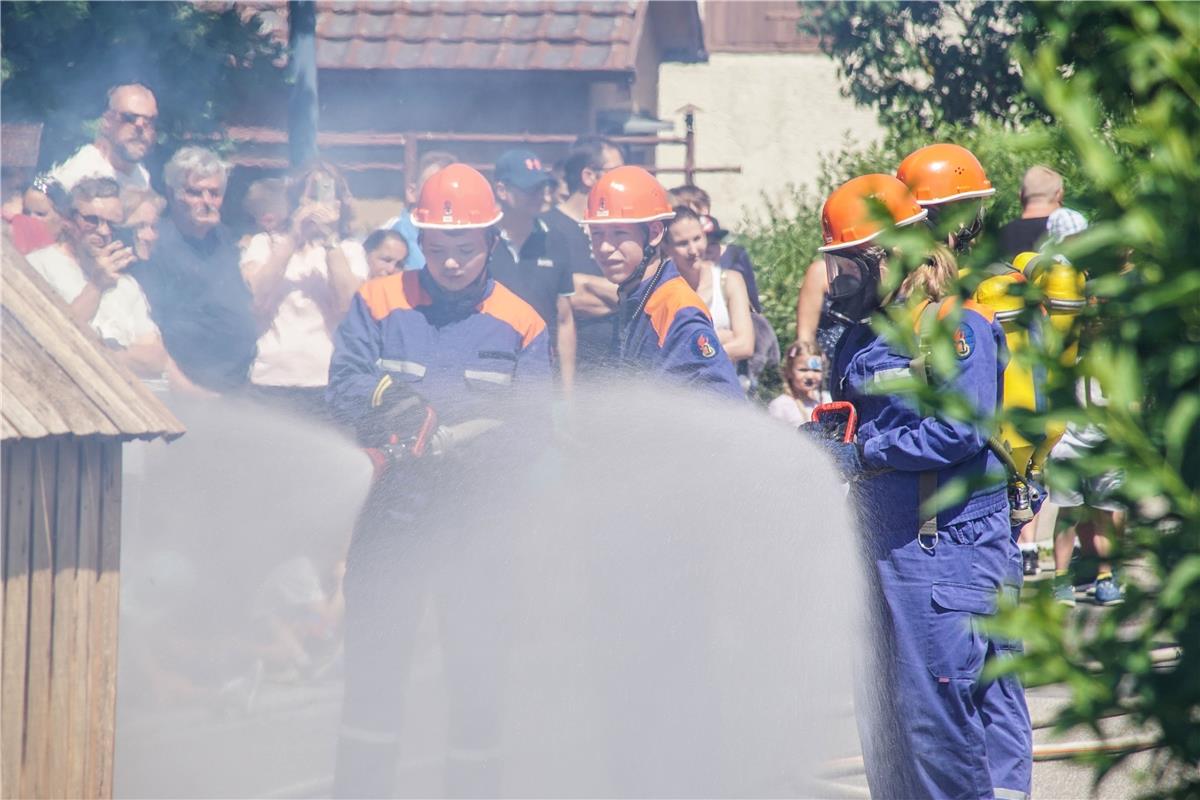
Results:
[57, 378]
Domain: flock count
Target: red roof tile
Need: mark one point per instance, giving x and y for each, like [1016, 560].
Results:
[472, 34]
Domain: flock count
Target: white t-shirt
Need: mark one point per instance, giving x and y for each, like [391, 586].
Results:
[89, 162]
[784, 408]
[297, 348]
[122, 316]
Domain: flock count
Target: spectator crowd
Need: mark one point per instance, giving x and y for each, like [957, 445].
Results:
[185, 304]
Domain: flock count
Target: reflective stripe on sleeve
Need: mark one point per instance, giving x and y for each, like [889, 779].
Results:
[403, 367]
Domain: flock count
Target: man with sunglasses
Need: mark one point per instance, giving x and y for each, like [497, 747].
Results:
[128, 129]
[87, 268]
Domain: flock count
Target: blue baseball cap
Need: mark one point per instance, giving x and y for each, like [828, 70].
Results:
[523, 170]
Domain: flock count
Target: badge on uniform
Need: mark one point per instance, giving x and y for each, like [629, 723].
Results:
[964, 341]
[703, 346]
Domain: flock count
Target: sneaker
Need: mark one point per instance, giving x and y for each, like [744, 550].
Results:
[1029, 561]
[1108, 593]
[1064, 592]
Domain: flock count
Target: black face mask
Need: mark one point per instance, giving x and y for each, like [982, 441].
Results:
[853, 287]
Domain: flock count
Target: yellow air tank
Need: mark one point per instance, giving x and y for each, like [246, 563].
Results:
[1020, 388]
[1062, 287]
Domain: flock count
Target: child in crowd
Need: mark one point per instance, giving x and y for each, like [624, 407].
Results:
[387, 252]
[266, 204]
[802, 371]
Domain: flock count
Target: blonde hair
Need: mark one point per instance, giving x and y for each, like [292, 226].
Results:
[935, 277]
[796, 351]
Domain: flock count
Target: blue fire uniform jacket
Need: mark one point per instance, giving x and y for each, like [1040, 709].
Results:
[937, 730]
[480, 355]
[896, 438]
[665, 329]
[460, 360]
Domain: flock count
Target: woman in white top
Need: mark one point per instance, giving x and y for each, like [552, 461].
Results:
[801, 370]
[723, 291]
[303, 280]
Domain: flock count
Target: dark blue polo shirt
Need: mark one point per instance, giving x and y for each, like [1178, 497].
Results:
[538, 274]
[201, 305]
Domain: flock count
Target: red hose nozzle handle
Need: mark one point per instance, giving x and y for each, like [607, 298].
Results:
[839, 407]
[424, 434]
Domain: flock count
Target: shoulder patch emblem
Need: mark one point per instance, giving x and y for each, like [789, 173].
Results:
[703, 345]
[964, 341]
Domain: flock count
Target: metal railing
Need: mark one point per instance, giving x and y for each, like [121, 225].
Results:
[410, 142]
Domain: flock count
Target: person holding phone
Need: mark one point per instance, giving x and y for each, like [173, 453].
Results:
[87, 267]
[302, 280]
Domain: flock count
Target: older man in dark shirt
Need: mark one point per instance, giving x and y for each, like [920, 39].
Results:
[195, 288]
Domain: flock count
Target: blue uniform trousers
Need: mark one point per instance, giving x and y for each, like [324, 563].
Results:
[930, 726]
[408, 550]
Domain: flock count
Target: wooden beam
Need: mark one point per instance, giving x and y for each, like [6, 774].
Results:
[105, 617]
[102, 650]
[85, 581]
[5, 492]
[35, 766]
[18, 522]
[64, 673]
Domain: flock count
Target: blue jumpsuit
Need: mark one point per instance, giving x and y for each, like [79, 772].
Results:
[671, 335]
[930, 727]
[418, 534]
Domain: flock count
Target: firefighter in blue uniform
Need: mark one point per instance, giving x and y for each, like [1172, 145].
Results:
[435, 369]
[661, 327]
[928, 711]
[948, 180]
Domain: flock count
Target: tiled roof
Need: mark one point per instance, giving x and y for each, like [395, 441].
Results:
[58, 379]
[501, 34]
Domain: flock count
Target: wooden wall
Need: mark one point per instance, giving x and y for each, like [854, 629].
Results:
[58, 654]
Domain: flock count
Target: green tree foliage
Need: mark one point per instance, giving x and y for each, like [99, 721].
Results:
[1120, 83]
[60, 59]
[926, 64]
[1131, 87]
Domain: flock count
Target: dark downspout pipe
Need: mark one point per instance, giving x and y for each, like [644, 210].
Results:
[302, 70]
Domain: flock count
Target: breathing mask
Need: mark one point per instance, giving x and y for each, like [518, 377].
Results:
[854, 281]
[966, 232]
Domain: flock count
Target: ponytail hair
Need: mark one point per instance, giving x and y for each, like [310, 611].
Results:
[935, 278]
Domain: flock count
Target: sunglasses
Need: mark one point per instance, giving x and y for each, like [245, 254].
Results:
[130, 118]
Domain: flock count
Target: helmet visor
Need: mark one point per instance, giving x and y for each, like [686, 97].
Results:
[847, 275]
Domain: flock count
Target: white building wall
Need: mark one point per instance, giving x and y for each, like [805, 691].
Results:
[773, 114]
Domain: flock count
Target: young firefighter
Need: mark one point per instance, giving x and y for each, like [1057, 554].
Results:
[661, 326]
[434, 368]
[949, 182]
[928, 733]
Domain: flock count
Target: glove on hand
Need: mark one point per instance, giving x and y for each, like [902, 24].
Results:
[847, 456]
[396, 414]
[823, 432]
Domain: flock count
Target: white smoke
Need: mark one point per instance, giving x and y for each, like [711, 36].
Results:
[685, 593]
